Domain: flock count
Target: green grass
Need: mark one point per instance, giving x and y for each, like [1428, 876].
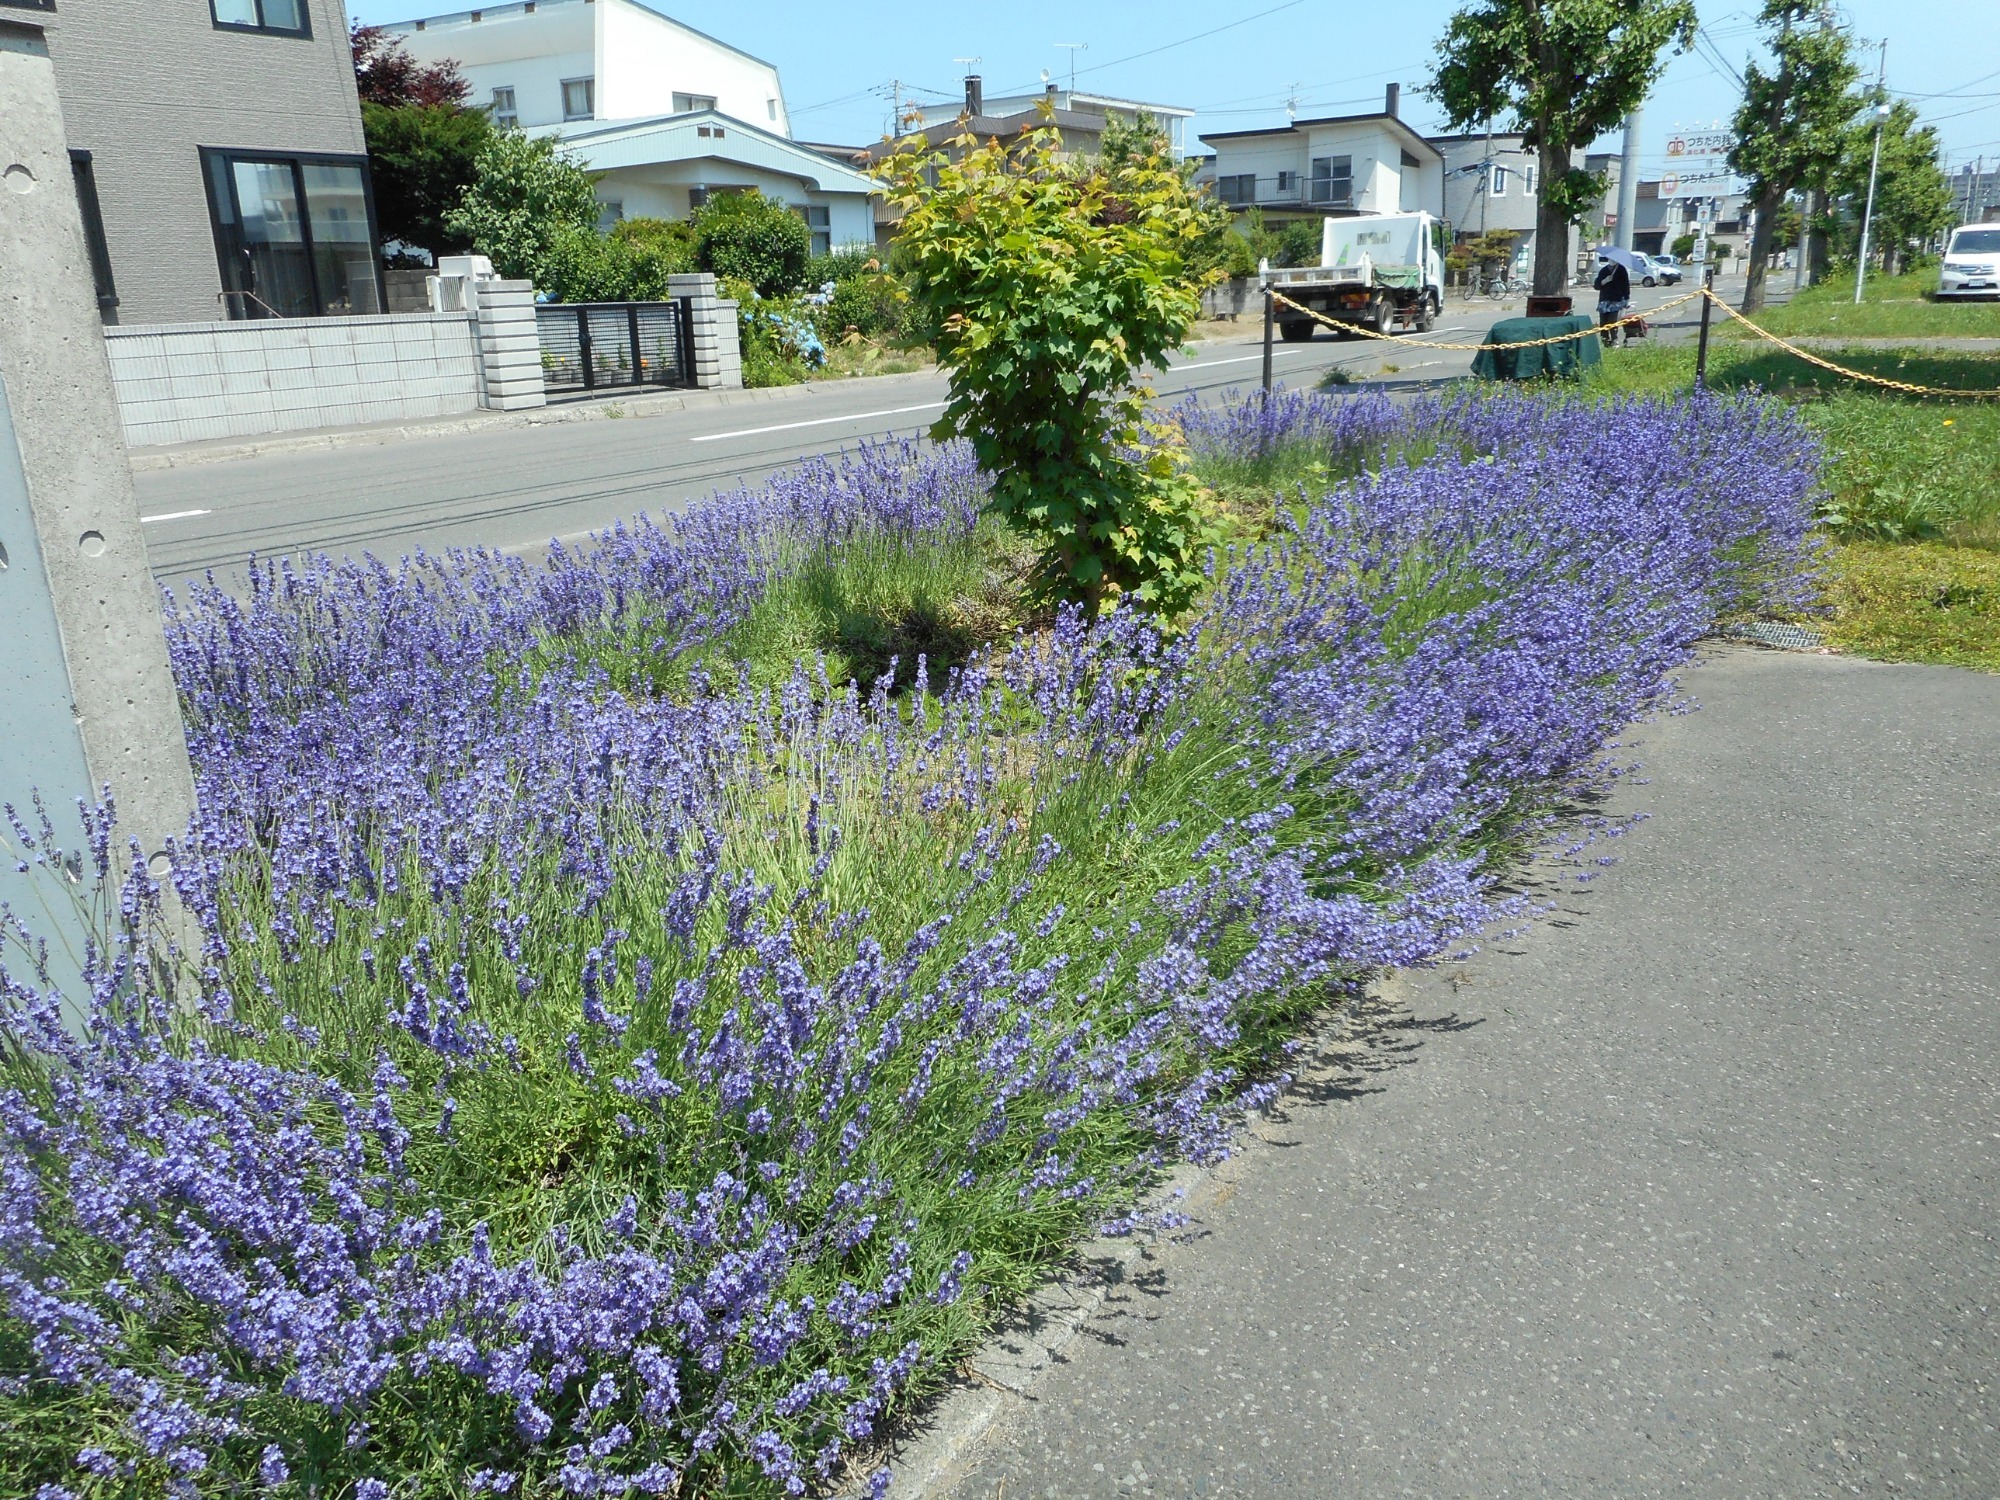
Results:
[1923, 601]
[1892, 307]
[873, 606]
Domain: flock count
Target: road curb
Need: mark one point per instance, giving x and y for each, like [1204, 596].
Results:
[1000, 1379]
[605, 409]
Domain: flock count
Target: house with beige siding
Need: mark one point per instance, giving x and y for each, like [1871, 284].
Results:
[218, 156]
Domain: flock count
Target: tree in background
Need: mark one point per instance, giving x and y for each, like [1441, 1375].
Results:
[1053, 284]
[423, 141]
[526, 199]
[1791, 124]
[1564, 71]
[1913, 201]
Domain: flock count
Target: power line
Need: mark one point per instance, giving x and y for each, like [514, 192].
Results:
[1169, 46]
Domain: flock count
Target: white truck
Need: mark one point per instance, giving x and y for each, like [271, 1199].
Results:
[1382, 271]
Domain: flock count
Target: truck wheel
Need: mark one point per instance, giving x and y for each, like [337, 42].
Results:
[1384, 319]
[1427, 313]
[1297, 331]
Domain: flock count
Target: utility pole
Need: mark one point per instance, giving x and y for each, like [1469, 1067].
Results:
[1628, 183]
[1486, 177]
[87, 697]
[1874, 165]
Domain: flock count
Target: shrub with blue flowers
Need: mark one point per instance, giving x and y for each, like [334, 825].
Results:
[581, 1088]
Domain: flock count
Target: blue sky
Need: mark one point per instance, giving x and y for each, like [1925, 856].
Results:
[837, 61]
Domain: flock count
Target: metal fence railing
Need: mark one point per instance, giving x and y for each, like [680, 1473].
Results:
[593, 346]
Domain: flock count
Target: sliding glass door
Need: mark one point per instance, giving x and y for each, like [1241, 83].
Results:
[294, 235]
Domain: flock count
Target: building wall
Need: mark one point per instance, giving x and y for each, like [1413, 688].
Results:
[1381, 183]
[1466, 203]
[644, 60]
[660, 190]
[145, 86]
[638, 59]
[180, 383]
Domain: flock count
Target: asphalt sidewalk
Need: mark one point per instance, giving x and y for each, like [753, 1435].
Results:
[1689, 1190]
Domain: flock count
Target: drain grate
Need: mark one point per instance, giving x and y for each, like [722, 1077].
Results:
[1777, 633]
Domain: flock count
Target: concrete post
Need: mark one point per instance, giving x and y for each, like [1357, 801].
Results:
[1628, 183]
[718, 349]
[510, 350]
[86, 696]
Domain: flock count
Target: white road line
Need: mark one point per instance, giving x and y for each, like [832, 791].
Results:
[860, 416]
[1203, 364]
[173, 515]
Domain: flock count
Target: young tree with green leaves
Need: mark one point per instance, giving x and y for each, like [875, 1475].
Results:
[1562, 72]
[1792, 121]
[1053, 284]
[528, 196]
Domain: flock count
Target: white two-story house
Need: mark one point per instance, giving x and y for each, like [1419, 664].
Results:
[666, 114]
[1341, 164]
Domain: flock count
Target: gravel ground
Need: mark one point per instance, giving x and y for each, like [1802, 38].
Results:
[1690, 1190]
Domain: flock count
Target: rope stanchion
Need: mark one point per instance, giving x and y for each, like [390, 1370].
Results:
[1406, 342]
[1826, 364]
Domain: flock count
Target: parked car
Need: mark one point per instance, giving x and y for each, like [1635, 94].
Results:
[1666, 269]
[1971, 262]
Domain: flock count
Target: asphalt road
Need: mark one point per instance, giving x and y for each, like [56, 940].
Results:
[1689, 1191]
[518, 487]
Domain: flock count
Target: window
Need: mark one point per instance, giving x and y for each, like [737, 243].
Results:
[31, 4]
[697, 198]
[295, 235]
[505, 115]
[771, 108]
[1288, 184]
[685, 104]
[579, 98]
[819, 221]
[1528, 180]
[279, 17]
[84, 174]
[1333, 179]
[708, 132]
[1237, 190]
[610, 216]
[1498, 185]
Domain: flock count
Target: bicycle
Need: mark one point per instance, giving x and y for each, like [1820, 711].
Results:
[1501, 287]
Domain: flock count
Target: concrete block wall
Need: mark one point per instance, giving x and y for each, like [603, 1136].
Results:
[510, 348]
[718, 345]
[183, 382]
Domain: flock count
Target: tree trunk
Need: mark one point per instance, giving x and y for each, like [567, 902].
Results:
[1768, 201]
[1552, 269]
[1889, 248]
[1816, 246]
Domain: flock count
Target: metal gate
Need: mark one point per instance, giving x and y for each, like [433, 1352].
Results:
[595, 346]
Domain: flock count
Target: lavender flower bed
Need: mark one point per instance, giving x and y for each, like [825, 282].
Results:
[584, 1092]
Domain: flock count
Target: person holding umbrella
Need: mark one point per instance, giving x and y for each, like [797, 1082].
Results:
[1614, 292]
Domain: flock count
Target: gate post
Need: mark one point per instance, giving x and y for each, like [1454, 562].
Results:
[510, 348]
[86, 695]
[716, 350]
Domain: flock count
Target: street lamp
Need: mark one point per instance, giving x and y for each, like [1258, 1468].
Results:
[1874, 164]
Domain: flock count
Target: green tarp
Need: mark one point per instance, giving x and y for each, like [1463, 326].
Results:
[1566, 359]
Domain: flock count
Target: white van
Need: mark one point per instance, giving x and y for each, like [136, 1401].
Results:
[1972, 262]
